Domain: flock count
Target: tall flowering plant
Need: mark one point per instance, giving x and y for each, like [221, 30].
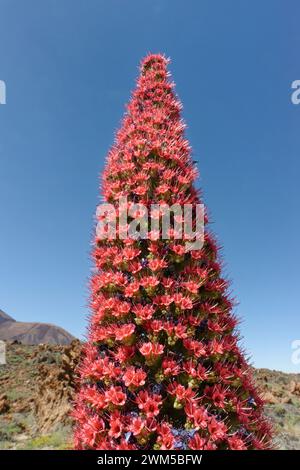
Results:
[162, 368]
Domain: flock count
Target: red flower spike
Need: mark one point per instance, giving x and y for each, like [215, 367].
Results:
[162, 368]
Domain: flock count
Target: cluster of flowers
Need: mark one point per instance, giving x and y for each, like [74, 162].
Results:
[162, 368]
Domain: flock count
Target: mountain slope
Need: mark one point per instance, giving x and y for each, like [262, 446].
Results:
[32, 332]
[4, 317]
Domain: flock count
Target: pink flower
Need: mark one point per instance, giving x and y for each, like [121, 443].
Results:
[116, 425]
[194, 346]
[216, 347]
[157, 264]
[121, 309]
[140, 190]
[124, 332]
[166, 300]
[151, 349]
[136, 426]
[235, 443]
[162, 189]
[134, 267]
[149, 404]
[144, 312]
[92, 396]
[130, 253]
[186, 303]
[181, 393]
[134, 377]
[115, 396]
[197, 442]
[124, 353]
[149, 282]
[178, 249]
[91, 430]
[170, 367]
[191, 286]
[217, 429]
[132, 289]
[167, 282]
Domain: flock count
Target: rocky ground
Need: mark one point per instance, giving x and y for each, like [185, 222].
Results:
[37, 388]
[36, 392]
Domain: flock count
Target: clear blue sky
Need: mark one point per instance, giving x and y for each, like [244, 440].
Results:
[69, 66]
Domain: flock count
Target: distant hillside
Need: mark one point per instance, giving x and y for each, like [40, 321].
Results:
[4, 317]
[32, 333]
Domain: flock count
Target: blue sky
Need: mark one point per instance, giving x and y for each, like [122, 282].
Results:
[69, 67]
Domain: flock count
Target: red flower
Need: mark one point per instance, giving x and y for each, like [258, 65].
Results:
[124, 332]
[177, 298]
[151, 350]
[134, 377]
[196, 347]
[122, 308]
[155, 326]
[165, 300]
[166, 438]
[186, 303]
[198, 415]
[217, 429]
[134, 267]
[115, 396]
[124, 445]
[149, 282]
[124, 353]
[92, 396]
[144, 312]
[91, 430]
[218, 396]
[157, 264]
[151, 408]
[191, 286]
[180, 331]
[194, 370]
[149, 404]
[116, 425]
[141, 190]
[130, 253]
[100, 333]
[166, 442]
[162, 189]
[235, 443]
[178, 249]
[167, 282]
[132, 289]
[170, 367]
[109, 304]
[119, 279]
[136, 426]
[216, 347]
[182, 394]
[197, 442]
